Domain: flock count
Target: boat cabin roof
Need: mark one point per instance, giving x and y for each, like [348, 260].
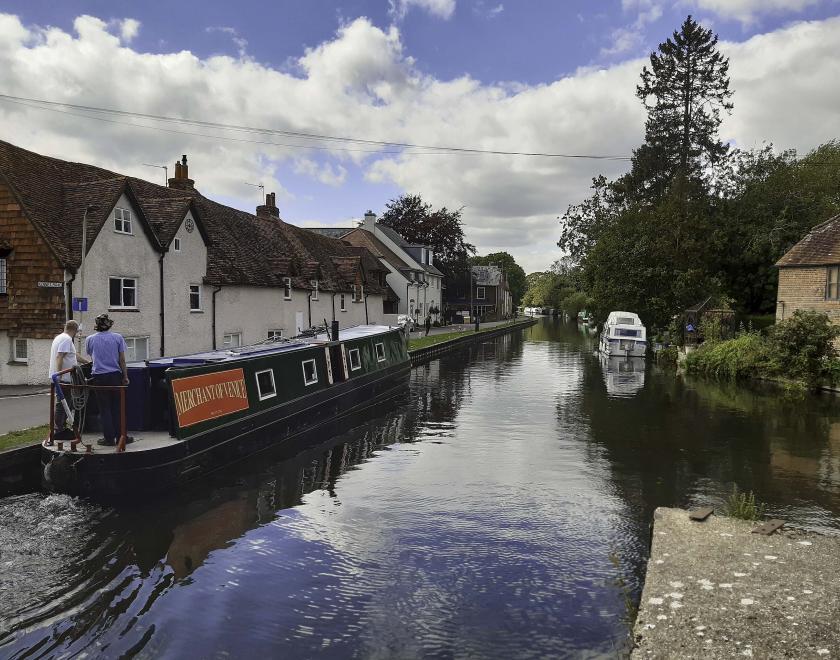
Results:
[267, 347]
[623, 318]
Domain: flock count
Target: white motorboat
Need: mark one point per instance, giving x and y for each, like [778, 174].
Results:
[623, 335]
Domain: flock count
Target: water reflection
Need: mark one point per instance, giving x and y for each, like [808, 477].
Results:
[499, 507]
[623, 376]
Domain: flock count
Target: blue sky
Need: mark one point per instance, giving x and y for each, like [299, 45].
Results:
[526, 75]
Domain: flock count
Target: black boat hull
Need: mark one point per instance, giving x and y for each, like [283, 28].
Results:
[139, 473]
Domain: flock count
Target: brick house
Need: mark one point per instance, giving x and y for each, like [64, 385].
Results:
[490, 297]
[809, 273]
[176, 271]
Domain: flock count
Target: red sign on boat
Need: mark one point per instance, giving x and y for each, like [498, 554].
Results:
[208, 396]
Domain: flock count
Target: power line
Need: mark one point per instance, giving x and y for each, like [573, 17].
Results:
[54, 105]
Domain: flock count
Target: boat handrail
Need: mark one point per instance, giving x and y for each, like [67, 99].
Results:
[85, 386]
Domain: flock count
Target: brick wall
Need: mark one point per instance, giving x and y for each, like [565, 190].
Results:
[804, 288]
[26, 311]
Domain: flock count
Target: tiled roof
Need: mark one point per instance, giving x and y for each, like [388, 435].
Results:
[361, 238]
[821, 246]
[332, 232]
[242, 248]
[399, 240]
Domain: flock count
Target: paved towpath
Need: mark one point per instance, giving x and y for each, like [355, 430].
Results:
[715, 590]
[21, 408]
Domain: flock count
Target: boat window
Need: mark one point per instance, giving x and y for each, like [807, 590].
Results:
[380, 352]
[310, 372]
[265, 384]
[626, 320]
[355, 359]
[623, 332]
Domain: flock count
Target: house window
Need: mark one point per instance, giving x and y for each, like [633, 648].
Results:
[832, 290]
[265, 384]
[380, 352]
[343, 302]
[176, 245]
[355, 359]
[357, 293]
[479, 293]
[195, 297]
[310, 372]
[274, 335]
[20, 351]
[136, 349]
[232, 340]
[287, 289]
[122, 221]
[3, 280]
[123, 292]
[314, 284]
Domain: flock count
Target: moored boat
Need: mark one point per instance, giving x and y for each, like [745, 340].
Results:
[194, 414]
[623, 334]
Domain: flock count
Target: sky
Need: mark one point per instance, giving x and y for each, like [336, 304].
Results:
[545, 76]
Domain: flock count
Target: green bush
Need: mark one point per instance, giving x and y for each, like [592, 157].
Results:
[713, 329]
[747, 356]
[668, 356]
[805, 345]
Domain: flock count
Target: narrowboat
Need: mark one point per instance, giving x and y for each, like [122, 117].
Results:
[193, 414]
[623, 334]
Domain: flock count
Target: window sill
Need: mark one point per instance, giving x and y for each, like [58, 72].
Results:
[124, 233]
[196, 311]
[123, 309]
[17, 363]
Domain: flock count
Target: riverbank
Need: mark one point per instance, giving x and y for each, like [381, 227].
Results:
[426, 348]
[715, 589]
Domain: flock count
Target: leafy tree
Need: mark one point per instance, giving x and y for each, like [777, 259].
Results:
[684, 91]
[441, 229]
[513, 271]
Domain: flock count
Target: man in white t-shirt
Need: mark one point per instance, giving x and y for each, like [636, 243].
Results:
[63, 356]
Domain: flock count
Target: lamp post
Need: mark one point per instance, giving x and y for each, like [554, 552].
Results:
[89, 208]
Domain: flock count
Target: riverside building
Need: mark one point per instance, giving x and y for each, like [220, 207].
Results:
[177, 272]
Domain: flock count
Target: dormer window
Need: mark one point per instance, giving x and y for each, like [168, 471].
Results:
[122, 221]
[287, 288]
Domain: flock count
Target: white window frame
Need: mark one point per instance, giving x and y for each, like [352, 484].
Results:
[123, 216]
[132, 341]
[383, 357]
[358, 359]
[176, 244]
[226, 343]
[200, 301]
[314, 380]
[274, 334]
[267, 395]
[480, 293]
[287, 288]
[314, 290]
[4, 276]
[17, 358]
[136, 288]
[343, 302]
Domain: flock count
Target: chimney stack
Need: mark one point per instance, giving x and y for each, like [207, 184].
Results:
[269, 209]
[182, 180]
[370, 221]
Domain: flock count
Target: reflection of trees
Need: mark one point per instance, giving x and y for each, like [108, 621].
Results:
[679, 442]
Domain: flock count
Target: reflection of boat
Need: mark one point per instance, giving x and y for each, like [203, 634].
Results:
[623, 334]
[623, 376]
[198, 413]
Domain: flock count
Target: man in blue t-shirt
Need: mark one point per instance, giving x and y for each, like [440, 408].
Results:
[107, 350]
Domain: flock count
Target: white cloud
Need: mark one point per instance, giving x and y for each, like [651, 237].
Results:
[631, 38]
[440, 8]
[239, 41]
[129, 28]
[361, 83]
[326, 173]
[748, 11]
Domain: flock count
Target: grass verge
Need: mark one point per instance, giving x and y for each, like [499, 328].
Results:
[23, 438]
[431, 340]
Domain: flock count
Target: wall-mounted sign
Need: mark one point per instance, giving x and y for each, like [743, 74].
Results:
[50, 285]
[208, 396]
[80, 304]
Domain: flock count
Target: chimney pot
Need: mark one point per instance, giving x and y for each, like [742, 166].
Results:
[181, 180]
[269, 209]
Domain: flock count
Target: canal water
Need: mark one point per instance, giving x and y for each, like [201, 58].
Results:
[497, 508]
